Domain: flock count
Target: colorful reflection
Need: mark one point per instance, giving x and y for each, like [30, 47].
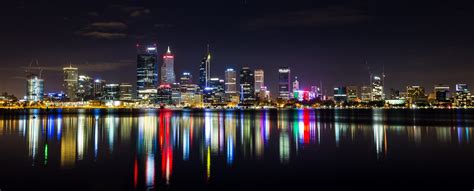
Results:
[160, 140]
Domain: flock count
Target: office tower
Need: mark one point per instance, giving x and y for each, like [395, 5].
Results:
[230, 81]
[214, 93]
[126, 92]
[263, 94]
[34, 88]
[147, 74]
[205, 70]
[70, 82]
[366, 93]
[462, 97]
[85, 89]
[296, 85]
[112, 92]
[416, 95]
[377, 89]
[247, 86]
[99, 89]
[185, 81]
[284, 74]
[167, 69]
[259, 79]
[441, 93]
[352, 93]
[340, 94]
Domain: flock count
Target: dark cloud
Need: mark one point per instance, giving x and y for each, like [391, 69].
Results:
[108, 26]
[131, 11]
[328, 16]
[103, 35]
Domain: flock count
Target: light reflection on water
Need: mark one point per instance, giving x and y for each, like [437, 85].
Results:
[156, 142]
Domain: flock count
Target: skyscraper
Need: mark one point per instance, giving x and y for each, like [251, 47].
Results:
[377, 89]
[259, 79]
[247, 86]
[284, 74]
[296, 84]
[147, 74]
[99, 89]
[185, 81]
[86, 88]
[34, 89]
[167, 69]
[205, 70]
[230, 81]
[112, 91]
[71, 82]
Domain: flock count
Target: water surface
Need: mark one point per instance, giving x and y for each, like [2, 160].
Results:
[251, 150]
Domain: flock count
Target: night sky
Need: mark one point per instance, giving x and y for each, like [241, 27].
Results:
[419, 43]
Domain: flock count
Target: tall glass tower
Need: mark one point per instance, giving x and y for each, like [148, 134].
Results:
[167, 69]
[247, 85]
[71, 82]
[205, 70]
[147, 72]
[284, 83]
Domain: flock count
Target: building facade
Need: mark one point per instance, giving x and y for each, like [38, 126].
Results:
[284, 77]
[147, 73]
[247, 86]
[167, 69]
[71, 80]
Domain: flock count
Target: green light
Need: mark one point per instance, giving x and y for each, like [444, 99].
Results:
[46, 154]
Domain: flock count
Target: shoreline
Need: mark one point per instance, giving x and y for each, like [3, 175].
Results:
[20, 111]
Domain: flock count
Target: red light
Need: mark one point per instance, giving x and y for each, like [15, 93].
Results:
[138, 45]
[168, 56]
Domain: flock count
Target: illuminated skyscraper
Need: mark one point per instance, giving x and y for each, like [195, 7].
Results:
[205, 70]
[377, 93]
[230, 81]
[99, 89]
[247, 86]
[259, 80]
[167, 69]
[34, 89]
[86, 88]
[186, 80]
[147, 74]
[340, 94]
[71, 82]
[284, 88]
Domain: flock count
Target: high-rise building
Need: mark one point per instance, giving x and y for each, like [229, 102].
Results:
[112, 92]
[316, 92]
[377, 93]
[352, 93]
[99, 89]
[70, 82]
[441, 93]
[34, 89]
[247, 86]
[214, 93]
[259, 79]
[85, 89]
[186, 81]
[340, 94]
[126, 92]
[205, 70]
[462, 97]
[147, 73]
[284, 88]
[175, 93]
[167, 69]
[230, 81]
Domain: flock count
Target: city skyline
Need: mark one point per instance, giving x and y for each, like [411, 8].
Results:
[100, 38]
